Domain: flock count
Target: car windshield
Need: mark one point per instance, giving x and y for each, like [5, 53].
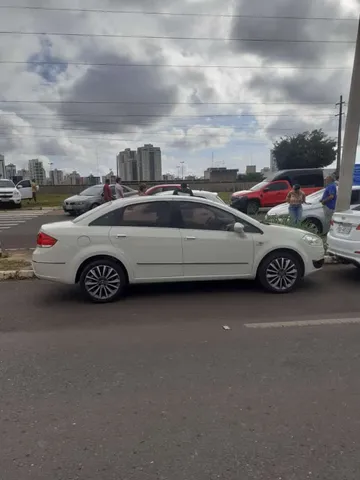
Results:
[259, 186]
[91, 191]
[6, 184]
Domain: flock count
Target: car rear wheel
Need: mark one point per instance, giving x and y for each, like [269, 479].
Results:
[103, 281]
[252, 207]
[280, 272]
[313, 225]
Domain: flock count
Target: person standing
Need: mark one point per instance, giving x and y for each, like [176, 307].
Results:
[34, 190]
[107, 191]
[329, 200]
[119, 191]
[183, 190]
[142, 190]
[295, 199]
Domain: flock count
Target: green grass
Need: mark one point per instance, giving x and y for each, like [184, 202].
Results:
[46, 200]
[225, 196]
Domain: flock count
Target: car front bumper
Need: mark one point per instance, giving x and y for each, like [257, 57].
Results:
[75, 209]
[10, 201]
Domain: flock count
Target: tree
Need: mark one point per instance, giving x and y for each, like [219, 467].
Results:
[305, 150]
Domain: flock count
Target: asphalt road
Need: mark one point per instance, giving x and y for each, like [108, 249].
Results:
[24, 235]
[154, 388]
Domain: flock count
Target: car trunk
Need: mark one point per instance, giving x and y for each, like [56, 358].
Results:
[346, 225]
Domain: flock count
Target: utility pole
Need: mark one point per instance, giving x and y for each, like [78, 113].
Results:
[339, 143]
[182, 169]
[351, 134]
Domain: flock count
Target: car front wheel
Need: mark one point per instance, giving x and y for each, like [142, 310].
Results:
[103, 281]
[280, 272]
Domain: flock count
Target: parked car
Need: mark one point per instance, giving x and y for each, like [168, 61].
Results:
[213, 196]
[91, 198]
[343, 239]
[313, 211]
[25, 189]
[273, 191]
[171, 239]
[9, 194]
[162, 188]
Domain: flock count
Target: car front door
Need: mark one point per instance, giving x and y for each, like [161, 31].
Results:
[275, 193]
[210, 248]
[146, 237]
[24, 188]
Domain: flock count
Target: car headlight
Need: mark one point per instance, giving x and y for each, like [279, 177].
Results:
[16, 194]
[312, 240]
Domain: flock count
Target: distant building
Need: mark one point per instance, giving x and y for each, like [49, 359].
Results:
[168, 177]
[110, 176]
[56, 177]
[221, 174]
[149, 165]
[37, 171]
[126, 165]
[2, 166]
[250, 169]
[266, 172]
[273, 167]
[10, 171]
[23, 173]
[72, 178]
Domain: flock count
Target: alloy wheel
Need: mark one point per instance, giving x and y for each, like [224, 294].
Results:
[282, 273]
[102, 282]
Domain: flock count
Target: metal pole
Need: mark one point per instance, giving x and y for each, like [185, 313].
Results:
[339, 143]
[351, 134]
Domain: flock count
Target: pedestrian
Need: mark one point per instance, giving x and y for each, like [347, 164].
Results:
[329, 200]
[183, 190]
[119, 191]
[107, 191]
[295, 199]
[34, 190]
[142, 190]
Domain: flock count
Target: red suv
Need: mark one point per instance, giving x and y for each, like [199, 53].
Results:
[273, 191]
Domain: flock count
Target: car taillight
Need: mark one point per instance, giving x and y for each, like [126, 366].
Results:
[358, 227]
[44, 240]
[331, 223]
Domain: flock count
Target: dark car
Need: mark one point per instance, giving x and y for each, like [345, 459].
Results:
[91, 198]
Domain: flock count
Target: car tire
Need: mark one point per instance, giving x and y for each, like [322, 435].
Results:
[313, 225]
[280, 272]
[103, 281]
[252, 207]
[94, 205]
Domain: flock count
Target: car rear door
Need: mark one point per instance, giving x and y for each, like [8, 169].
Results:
[24, 187]
[146, 237]
[274, 193]
[210, 249]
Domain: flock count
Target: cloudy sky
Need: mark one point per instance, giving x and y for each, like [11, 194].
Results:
[206, 78]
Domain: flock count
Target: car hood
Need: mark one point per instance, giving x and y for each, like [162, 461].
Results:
[240, 193]
[78, 198]
[8, 190]
[283, 209]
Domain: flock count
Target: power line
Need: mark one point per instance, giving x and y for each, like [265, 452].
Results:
[171, 65]
[110, 102]
[162, 37]
[172, 14]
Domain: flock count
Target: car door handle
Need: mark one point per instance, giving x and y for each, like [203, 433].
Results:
[190, 238]
[121, 235]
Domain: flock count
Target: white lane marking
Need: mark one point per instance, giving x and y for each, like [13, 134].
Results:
[304, 323]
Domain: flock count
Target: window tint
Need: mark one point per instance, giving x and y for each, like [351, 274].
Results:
[25, 183]
[355, 197]
[110, 219]
[151, 214]
[274, 187]
[204, 217]
[309, 180]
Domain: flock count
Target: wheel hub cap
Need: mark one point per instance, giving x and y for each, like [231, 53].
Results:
[102, 282]
[282, 273]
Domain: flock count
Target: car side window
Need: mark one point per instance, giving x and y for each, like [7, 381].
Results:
[110, 219]
[355, 197]
[205, 217]
[274, 187]
[151, 214]
[25, 183]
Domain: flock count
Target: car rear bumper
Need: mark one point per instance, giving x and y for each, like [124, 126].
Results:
[54, 272]
[343, 249]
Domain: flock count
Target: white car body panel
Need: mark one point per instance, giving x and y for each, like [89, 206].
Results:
[213, 196]
[166, 254]
[9, 194]
[343, 238]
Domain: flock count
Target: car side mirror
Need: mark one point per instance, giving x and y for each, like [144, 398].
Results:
[239, 227]
[19, 186]
[267, 189]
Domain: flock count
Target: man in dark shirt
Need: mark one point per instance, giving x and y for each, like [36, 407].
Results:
[329, 200]
[107, 191]
[183, 190]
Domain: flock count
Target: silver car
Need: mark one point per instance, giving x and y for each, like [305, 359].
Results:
[313, 213]
[91, 198]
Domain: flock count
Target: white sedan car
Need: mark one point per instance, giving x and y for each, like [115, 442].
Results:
[171, 239]
[343, 238]
[313, 211]
[213, 196]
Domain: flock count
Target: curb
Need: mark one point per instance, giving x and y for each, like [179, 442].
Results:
[16, 274]
[26, 274]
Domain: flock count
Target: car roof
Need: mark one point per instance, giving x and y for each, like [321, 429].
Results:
[195, 192]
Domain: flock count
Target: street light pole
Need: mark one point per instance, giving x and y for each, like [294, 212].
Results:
[351, 134]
